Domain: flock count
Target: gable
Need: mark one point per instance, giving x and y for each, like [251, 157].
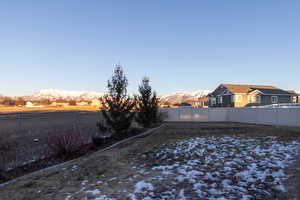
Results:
[220, 90]
[255, 92]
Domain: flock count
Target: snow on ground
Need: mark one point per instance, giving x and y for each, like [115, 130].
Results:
[209, 168]
[280, 105]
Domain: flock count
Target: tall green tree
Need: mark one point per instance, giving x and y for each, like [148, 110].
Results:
[147, 105]
[118, 105]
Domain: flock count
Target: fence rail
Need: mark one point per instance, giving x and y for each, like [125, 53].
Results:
[268, 116]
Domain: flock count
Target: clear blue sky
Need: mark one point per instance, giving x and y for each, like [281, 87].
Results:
[181, 45]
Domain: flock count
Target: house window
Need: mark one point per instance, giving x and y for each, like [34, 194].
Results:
[274, 99]
[251, 99]
[213, 101]
[220, 99]
[258, 99]
[236, 98]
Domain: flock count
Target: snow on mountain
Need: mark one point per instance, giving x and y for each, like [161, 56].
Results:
[180, 97]
[53, 94]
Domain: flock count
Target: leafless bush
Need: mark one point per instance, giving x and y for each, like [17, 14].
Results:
[8, 156]
[3, 159]
[68, 143]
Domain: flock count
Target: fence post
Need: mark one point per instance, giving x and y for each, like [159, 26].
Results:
[19, 126]
[75, 122]
[277, 116]
[227, 114]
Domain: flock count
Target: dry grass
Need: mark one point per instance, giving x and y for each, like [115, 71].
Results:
[26, 136]
[98, 168]
[16, 109]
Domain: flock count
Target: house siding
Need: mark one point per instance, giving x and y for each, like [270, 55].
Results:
[284, 99]
[243, 102]
[227, 101]
[266, 99]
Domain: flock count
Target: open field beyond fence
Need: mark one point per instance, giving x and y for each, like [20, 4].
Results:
[23, 135]
[14, 109]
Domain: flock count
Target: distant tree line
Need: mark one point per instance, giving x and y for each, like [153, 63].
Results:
[21, 101]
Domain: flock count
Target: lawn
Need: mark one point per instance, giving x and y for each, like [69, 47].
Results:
[178, 161]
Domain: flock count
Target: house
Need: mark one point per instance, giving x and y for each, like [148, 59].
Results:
[54, 104]
[296, 97]
[202, 102]
[183, 104]
[234, 95]
[82, 103]
[29, 104]
[95, 102]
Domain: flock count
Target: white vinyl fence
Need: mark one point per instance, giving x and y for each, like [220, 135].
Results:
[269, 116]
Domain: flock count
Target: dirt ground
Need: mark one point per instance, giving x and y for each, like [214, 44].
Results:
[23, 137]
[107, 170]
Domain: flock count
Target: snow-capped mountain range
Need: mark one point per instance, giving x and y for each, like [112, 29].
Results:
[180, 97]
[53, 94]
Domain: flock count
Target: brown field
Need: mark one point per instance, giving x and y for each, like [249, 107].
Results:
[113, 172]
[15, 109]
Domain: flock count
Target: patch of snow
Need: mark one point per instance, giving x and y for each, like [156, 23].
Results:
[181, 195]
[142, 186]
[94, 192]
[225, 167]
[280, 105]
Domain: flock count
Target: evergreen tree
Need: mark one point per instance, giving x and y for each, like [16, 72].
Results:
[146, 105]
[118, 105]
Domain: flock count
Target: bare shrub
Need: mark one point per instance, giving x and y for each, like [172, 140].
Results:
[3, 158]
[68, 143]
[9, 159]
[44, 102]
[20, 101]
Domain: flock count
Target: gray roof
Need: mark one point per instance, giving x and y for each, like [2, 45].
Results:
[273, 91]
